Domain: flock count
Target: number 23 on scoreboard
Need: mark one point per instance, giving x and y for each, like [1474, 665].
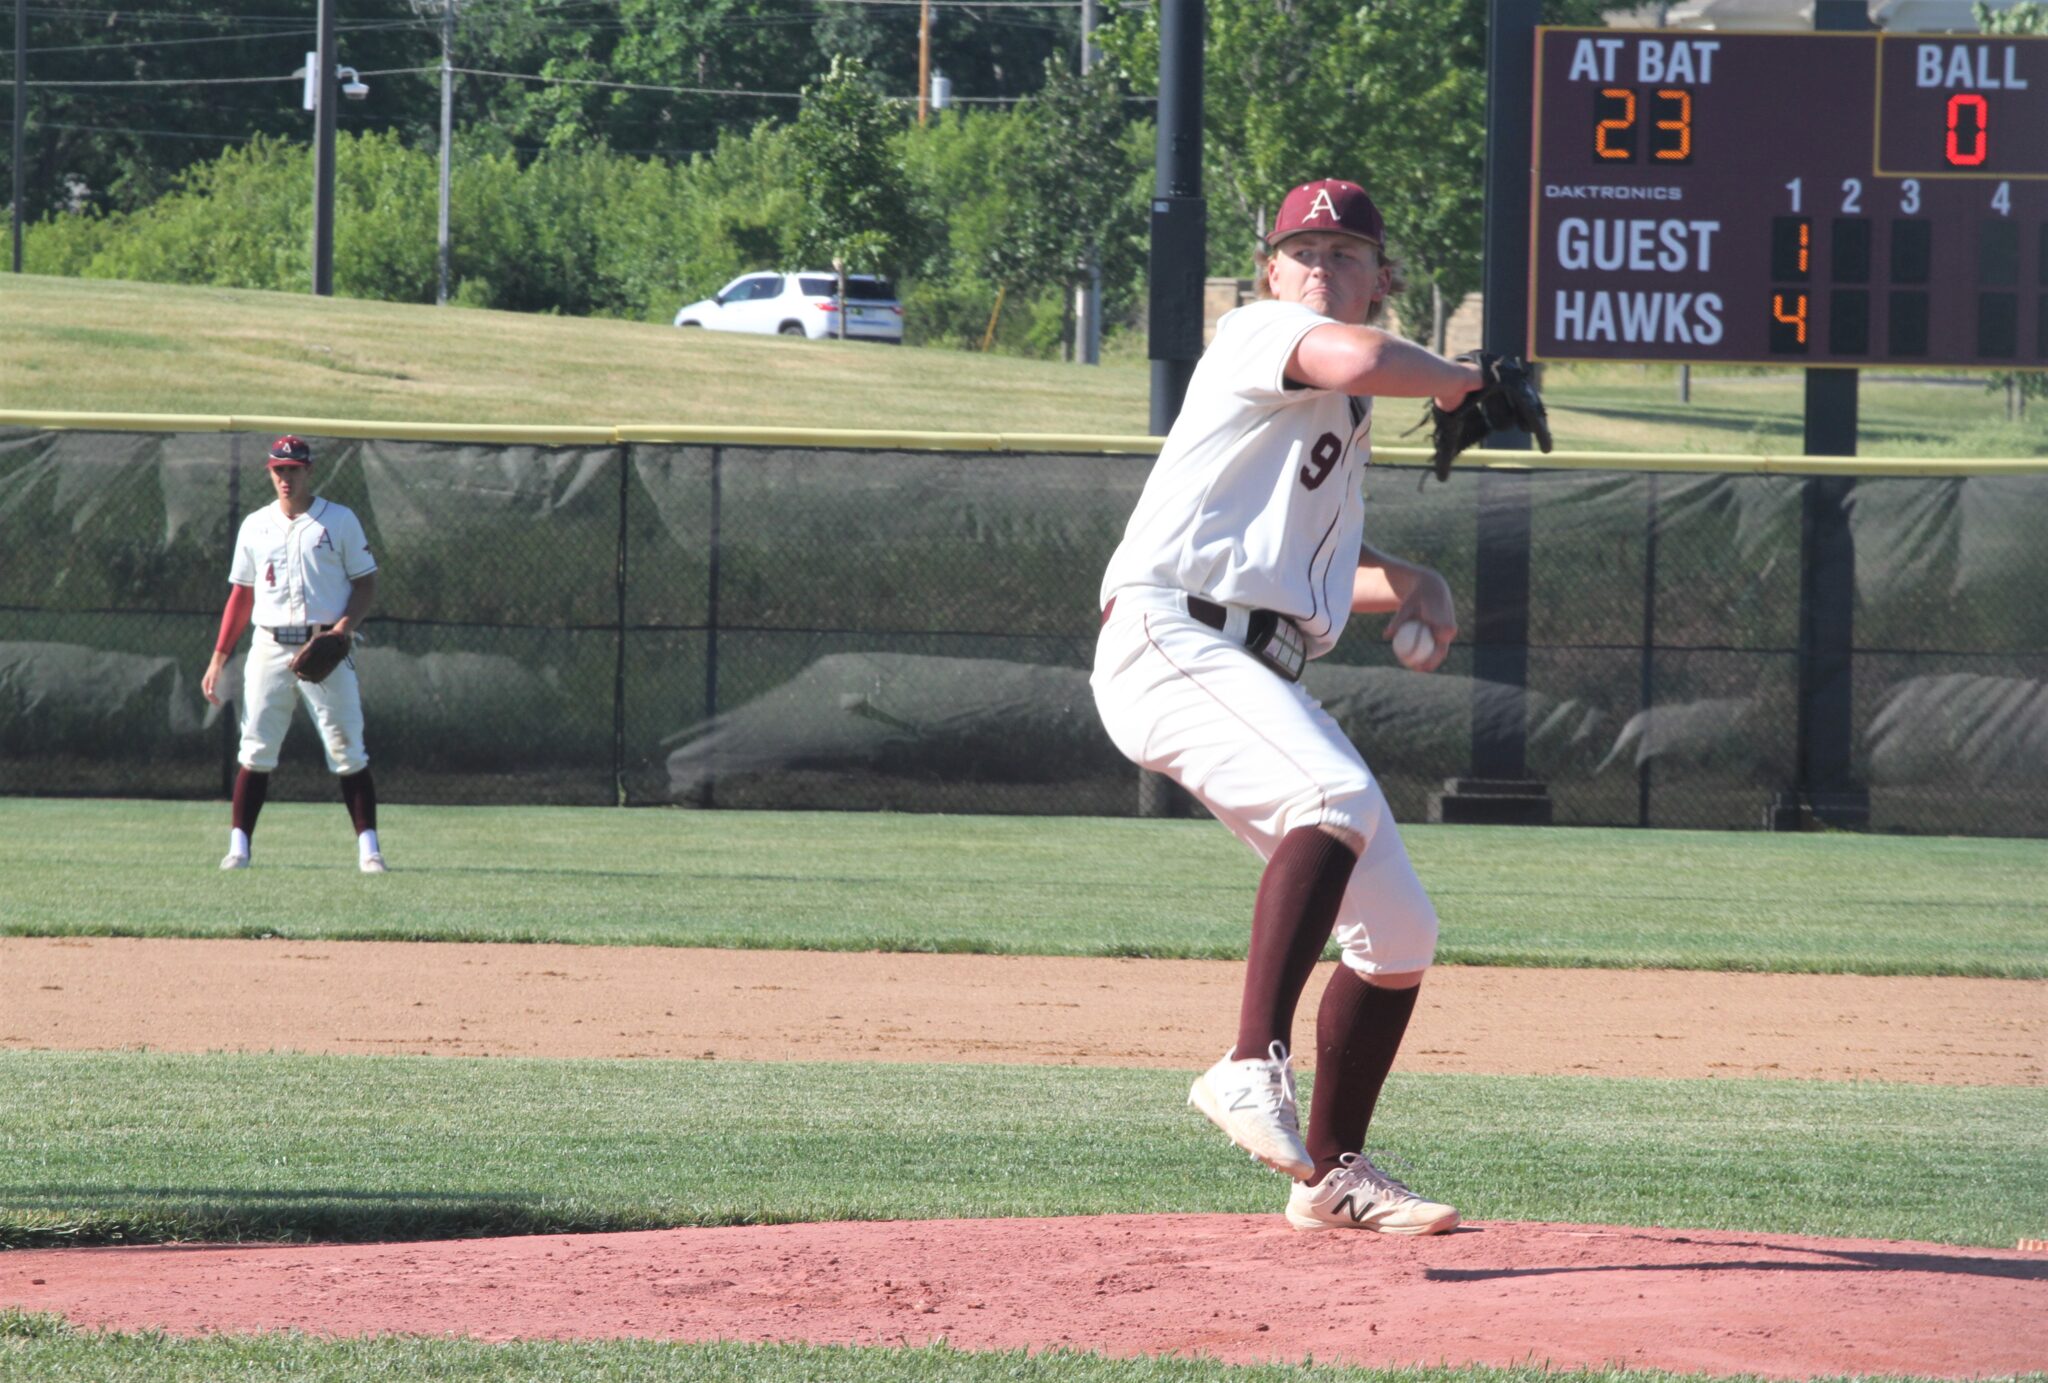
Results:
[1616, 125]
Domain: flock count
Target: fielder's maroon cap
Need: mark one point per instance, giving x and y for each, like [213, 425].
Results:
[1329, 205]
[290, 451]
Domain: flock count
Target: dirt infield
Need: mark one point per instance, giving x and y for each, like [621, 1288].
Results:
[1237, 1288]
[602, 1001]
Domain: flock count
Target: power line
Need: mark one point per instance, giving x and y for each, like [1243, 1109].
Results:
[216, 38]
[158, 134]
[625, 86]
[172, 81]
[234, 81]
[107, 18]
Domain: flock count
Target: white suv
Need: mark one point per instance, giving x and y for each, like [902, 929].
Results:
[801, 304]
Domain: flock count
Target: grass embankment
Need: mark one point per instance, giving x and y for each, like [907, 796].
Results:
[105, 346]
[1014, 885]
[136, 1147]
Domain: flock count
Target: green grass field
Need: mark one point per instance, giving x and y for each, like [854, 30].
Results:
[109, 346]
[60, 1354]
[1021, 885]
[142, 1147]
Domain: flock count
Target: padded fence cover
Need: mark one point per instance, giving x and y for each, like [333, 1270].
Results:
[770, 627]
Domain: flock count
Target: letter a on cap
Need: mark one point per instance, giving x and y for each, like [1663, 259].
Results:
[1321, 205]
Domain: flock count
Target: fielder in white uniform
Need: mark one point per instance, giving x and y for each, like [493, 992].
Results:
[301, 566]
[1244, 558]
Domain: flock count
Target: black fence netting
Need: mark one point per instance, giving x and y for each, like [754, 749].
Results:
[710, 626]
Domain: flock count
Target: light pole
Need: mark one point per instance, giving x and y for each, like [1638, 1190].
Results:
[447, 119]
[324, 79]
[1088, 294]
[20, 114]
[320, 82]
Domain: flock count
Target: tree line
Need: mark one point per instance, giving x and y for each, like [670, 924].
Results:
[622, 201]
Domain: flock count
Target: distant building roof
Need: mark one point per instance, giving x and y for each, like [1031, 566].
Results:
[1895, 16]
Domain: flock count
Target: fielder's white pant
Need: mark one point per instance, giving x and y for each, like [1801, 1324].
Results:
[1182, 699]
[268, 693]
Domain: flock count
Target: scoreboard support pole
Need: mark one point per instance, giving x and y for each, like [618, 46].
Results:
[1179, 246]
[1824, 791]
[1499, 790]
[1177, 265]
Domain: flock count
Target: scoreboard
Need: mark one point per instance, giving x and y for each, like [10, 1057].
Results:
[1791, 199]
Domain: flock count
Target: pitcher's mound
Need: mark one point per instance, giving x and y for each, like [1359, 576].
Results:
[1235, 1287]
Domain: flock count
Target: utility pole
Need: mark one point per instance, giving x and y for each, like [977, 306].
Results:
[924, 60]
[322, 83]
[1088, 293]
[447, 125]
[20, 114]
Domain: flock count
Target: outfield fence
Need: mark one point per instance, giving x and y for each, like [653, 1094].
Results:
[783, 619]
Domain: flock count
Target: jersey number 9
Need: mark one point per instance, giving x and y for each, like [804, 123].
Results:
[1322, 457]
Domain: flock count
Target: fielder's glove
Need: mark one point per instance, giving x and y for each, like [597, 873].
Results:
[322, 654]
[1505, 401]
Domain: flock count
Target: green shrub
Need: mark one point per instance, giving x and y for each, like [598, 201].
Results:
[582, 231]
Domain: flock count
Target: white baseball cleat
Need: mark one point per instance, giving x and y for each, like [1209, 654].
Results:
[1253, 1101]
[1358, 1195]
[374, 864]
[231, 860]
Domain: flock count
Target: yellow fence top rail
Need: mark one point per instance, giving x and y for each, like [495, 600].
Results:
[1070, 443]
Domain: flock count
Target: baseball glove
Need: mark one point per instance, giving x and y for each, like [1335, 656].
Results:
[1505, 401]
[322, 654]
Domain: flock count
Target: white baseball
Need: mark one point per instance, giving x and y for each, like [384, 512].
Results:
[1413, 643]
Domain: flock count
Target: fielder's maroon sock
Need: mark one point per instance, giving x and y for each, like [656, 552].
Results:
[1297, 905]
[251, 788]
[361, 796]
[1358, 1030]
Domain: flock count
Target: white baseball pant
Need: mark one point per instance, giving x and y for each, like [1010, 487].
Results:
[268, 692]
[1188, 701]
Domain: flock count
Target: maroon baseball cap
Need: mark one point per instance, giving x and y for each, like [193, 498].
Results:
[290, 451]
[1329, 205]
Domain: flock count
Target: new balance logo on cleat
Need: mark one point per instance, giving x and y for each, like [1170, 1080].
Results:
[1351, 1206]
[1253, 1102]
[1358, 1195]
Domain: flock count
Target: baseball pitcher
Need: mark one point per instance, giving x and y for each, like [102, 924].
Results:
[1243, 560]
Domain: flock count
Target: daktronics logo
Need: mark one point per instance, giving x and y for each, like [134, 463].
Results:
[1603, 192]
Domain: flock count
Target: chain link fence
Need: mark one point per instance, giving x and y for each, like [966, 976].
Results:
[749, 626]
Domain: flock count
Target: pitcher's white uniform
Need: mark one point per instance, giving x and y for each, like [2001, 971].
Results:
[300, 570]
[1256, 502]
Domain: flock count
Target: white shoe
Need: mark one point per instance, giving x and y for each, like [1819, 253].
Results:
[1358, 1195]
[374, 864]
[231, 860]
[1253, 1101]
